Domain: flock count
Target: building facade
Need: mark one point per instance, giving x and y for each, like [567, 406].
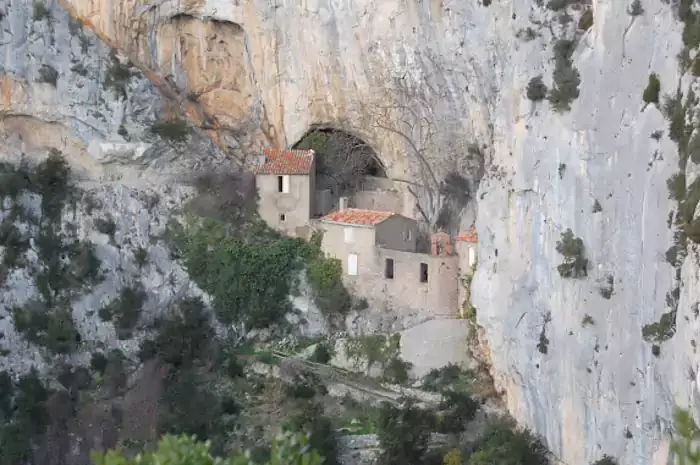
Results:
[286, 185]
[377, 251]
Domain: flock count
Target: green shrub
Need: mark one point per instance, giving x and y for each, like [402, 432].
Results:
[322, 353]
[41, 12]
[117, 76]
[140, 257]
[566, 78]
[51, 328]
[662, 330]
[449, 376]
[606, 290]
[125, 311]
[106, 226]
[586, 20]
[456, 410]
[174, 130]
[249, 272]
[691, 29]
[676, 186]
[536, 89]
[597, 207]
[98, 362]
[48, 75]
[503, 443]
[404, 432]
[635, 9]
[397, 371]
[651, 93]
[184, 337]
[587, 320]
[575, 265]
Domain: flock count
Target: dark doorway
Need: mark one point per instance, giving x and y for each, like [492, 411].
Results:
[389, 269]
[343, 161]
[424, 272]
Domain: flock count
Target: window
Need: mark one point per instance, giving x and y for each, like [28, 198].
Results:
[407, 235]
[352, 264]
[349, 234]
[389, 269]
[424, 272]
[283, 184]
[283, 217]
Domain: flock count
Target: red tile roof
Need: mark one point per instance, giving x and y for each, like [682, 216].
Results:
[358, 217]
[279, 161]
[469, 236]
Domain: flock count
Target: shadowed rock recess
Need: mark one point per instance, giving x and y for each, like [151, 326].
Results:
[573, 122]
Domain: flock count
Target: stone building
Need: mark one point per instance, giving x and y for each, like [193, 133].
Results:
[377, 250]
[286, 185]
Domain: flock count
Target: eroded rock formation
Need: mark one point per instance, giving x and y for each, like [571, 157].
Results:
[571, 362]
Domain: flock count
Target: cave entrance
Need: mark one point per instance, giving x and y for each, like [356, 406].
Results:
[347, 167]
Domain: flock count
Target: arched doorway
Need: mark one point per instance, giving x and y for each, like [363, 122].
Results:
[348, 167]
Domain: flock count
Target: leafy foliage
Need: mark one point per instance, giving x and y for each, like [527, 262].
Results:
[325, 277]
[287, 449]
[503, 444]
[575, 264]
[125, 310]
[651, 93]
[249, 274]
[404, 432]
[536, 89]
[565, 76]
[174, 130]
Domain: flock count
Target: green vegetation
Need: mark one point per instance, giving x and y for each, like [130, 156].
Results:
[41, 12]
[24, 416]
[597, 207]
[676, 186]
[140, 257]
[48, 74]
[117, 76]
[450, 376]
[587, 320]
[605, 460]
[125, 310]
[503, 443]
[404, 432]
[51, 328]
[536, 89]
[375, 349]
[174, 130]
[635, 9]
[662, 330]
[323, 353]
[691, 24]
[651, 93]
[586, 20]
[250, 270]
[607, 288]
[288, 448]
[575, 265]
[566, 78]
[66, 265]
[325, 277]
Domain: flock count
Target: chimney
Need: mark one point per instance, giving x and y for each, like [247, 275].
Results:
[342, 203]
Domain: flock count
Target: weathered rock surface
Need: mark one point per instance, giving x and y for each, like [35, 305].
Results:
[276, 69]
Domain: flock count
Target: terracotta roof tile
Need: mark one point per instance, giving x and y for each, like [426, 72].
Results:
[279, 161]
[358, 217]
[469, 236]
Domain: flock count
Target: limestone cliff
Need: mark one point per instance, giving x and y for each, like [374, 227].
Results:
[434, 86]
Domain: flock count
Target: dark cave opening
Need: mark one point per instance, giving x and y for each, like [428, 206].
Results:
[344, 163]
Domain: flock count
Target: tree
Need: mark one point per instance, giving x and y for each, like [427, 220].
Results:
[413, 110]
[686, 446]
[341, 158]
[503, 444]
[404, 432]
[287, 449]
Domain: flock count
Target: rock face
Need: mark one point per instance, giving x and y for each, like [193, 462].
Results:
[571, 363]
